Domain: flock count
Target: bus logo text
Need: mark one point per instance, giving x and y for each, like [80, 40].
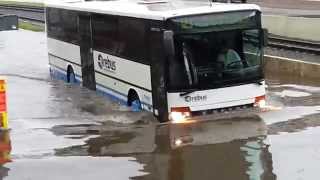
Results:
[106, 63]
[195, 98]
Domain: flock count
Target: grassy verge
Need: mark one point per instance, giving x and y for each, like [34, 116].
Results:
[30, 26]
[20, 3]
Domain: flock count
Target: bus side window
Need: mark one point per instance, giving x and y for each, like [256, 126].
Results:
[62, 25]
[133, 40]
[104, 30]
[69, 20]
[53, 22]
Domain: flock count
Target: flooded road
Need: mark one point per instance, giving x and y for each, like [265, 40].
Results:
[62, 131]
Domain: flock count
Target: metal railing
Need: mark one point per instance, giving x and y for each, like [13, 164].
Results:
[26, 12]
[294, 44]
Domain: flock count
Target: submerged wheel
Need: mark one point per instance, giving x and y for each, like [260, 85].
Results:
[134, 101]
[71, 77]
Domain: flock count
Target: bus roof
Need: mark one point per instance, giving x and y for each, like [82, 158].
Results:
[151, 9]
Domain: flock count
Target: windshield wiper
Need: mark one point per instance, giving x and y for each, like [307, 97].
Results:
[259, 82]
[188, 92]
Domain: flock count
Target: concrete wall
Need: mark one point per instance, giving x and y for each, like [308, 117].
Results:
[277, 66]
[294, 27]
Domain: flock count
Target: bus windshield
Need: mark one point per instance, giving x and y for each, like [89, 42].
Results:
[216, 50]
[212, 59]
[216, 22]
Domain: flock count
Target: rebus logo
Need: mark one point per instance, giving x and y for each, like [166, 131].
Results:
[106, 63]
[195, 98]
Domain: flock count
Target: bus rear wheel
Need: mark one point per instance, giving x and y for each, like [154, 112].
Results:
[134, 101]
[71, 77]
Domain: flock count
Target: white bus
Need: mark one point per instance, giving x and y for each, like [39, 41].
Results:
[173, 58]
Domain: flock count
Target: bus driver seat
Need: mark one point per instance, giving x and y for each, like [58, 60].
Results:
[229, 57]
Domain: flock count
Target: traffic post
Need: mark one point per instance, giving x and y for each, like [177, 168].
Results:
[3, 105]
[5, 147]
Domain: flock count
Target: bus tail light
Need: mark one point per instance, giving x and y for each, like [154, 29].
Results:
[260, 101]
[179, 114]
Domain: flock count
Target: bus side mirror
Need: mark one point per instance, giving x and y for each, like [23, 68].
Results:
[265, 34]
[168, 43]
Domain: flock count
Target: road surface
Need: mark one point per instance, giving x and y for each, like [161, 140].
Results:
[61, 131]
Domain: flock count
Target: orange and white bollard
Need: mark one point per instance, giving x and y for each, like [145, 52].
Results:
[3, 105]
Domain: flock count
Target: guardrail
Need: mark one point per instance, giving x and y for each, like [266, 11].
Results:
[26, 12]
[23, 8]
[294, 44]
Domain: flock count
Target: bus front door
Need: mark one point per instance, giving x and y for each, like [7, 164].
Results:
[88, 72]
[158, 71]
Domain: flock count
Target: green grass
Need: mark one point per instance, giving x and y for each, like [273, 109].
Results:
[30, 26]
[20, 3]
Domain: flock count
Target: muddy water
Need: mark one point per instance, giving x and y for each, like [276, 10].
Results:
[60, 131]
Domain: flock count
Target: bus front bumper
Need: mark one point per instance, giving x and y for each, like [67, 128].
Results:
[220, 114]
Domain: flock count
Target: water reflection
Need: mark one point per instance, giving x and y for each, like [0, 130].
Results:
[211, 150]
[226, 149]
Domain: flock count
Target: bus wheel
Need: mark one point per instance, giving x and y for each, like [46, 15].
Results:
[71, 78]
[134, 101]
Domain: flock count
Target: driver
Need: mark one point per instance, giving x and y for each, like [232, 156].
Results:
[229, 57]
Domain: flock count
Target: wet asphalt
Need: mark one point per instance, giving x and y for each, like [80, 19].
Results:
[62, 131]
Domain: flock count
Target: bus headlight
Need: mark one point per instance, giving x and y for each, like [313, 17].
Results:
[260, 101]
[179, 114]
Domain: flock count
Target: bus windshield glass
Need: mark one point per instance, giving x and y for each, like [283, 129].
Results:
[216, 22]
[212, 55]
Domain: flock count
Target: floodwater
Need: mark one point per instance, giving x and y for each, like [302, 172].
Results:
[61, 131]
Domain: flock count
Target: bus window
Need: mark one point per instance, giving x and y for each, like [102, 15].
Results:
[215, 59]
[132, 36]
[62, 25]
[53, 22]
[104, 30]
[177, 70]
[69, 21]
[251, 46]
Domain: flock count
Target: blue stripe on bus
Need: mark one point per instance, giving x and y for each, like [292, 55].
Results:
[100, 88]
[79, 76]
[62, 75]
